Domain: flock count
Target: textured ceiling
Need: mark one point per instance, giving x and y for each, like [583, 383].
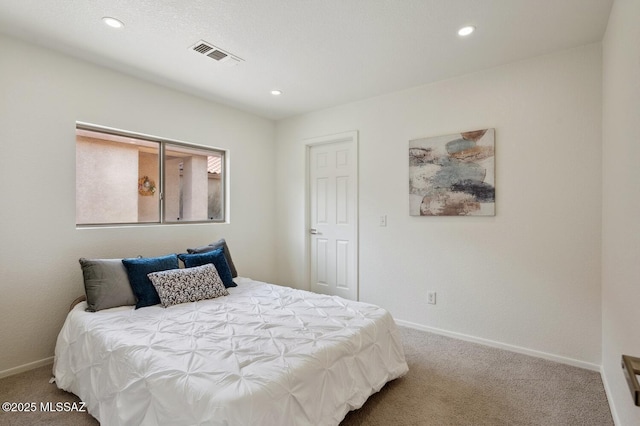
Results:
[320, 53]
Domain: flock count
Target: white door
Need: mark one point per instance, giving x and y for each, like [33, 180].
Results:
[333, 214]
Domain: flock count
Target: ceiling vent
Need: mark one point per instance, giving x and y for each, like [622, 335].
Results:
[215, 53]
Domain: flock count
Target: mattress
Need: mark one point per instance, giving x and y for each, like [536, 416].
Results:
[264, 355]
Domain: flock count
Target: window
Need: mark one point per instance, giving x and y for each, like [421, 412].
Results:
[126, 178]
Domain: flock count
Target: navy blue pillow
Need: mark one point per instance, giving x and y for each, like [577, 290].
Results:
[214, 256]
[221, 243]
[137, 270]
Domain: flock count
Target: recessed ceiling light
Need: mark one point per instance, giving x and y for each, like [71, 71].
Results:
[112, 22]
[465, 31]
[276, 92]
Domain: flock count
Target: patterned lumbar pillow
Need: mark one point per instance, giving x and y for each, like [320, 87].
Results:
[188, 285]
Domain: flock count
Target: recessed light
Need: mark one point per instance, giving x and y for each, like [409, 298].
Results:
[465, 31]
[276, 92]
[112, 22]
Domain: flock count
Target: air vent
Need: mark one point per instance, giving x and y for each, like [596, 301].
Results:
[202, 48]
[215, 53]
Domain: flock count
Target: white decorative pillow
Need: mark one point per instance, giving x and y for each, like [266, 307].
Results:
[188, 285]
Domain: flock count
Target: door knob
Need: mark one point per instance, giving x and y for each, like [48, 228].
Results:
[314, 231]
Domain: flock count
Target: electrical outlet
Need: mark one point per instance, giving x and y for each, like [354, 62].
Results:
[383, 220]
[431, 297]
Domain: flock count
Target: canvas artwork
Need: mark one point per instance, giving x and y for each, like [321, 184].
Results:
[453, 175]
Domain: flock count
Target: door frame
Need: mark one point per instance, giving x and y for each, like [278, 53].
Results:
[350, 136]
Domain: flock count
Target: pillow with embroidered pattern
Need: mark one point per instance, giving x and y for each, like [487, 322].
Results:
[188, 285]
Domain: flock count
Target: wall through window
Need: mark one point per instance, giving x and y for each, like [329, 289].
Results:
[126, 178]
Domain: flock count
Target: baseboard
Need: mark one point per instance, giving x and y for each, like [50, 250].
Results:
[26, 367]
[607, 391]
[505, 346]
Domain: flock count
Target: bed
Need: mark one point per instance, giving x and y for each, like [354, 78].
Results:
[263, 355]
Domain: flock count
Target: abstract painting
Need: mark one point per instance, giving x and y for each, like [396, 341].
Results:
[453, 175]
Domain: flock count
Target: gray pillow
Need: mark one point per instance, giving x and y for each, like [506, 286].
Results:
[106, 284]
[177, 286]
[213, 246]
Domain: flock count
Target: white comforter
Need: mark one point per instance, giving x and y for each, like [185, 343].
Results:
[264, 355]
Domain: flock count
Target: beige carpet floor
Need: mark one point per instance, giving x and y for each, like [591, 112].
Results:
[450, 382]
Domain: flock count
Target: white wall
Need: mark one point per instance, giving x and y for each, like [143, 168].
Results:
[42, 95]
[528, 277]
[621, 203]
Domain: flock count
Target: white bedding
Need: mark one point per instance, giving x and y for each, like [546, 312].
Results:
[264, 355]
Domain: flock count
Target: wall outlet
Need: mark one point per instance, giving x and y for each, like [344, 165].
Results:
[383, 220]
[431, 297]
